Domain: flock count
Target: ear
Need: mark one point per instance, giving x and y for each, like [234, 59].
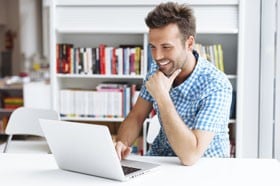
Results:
[190, 43]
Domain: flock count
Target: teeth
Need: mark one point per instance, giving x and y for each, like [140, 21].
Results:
[163, 63]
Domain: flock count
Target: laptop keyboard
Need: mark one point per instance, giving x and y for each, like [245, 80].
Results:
[128, 170]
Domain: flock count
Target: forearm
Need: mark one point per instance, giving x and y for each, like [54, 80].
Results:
[131, 127]
[129, 130]
[182, 139]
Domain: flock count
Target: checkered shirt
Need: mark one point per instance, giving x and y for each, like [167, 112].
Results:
[203, 102]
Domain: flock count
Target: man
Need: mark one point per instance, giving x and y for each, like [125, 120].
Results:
[190, 96]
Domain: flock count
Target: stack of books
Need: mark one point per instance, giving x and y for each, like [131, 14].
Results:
[213, 53]
[12, 102]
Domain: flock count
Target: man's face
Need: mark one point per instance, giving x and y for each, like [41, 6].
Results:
[167, 48]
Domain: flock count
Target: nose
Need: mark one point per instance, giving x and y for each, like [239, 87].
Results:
[157, 54]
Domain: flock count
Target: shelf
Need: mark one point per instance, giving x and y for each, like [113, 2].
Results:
[91, 81]
[5, 112]
[115, 77]
[8, 111]
[137, 31]
[94, 30]
[217, 31]
[9, 91]
[100, 76]
[231, 76]
[219, 16]
[232, 121]
[11, 87]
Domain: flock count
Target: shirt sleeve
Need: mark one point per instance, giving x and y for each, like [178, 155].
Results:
[214, 109]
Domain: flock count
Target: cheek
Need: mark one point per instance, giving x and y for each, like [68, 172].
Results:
[172, 55]
[180, 59]
[178, 56]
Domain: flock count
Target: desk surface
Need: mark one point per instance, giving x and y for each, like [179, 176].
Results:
[41, 169]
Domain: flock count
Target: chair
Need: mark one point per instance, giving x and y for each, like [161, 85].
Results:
[25, 121]
[37, 95]
[151, 130]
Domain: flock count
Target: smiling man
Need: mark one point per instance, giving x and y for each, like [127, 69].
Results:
[191, 97]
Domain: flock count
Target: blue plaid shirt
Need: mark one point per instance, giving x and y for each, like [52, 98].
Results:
[203, 102]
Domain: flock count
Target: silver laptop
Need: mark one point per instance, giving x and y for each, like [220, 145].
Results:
[89, 149]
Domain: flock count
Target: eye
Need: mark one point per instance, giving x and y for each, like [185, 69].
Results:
[151, 46]
[166, 47]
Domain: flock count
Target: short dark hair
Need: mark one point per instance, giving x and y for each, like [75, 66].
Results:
[171, 12]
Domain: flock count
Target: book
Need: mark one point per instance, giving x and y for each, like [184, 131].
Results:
[12, 102]
[102, 58]
[221, 57]
[213, 53]
[64, 58]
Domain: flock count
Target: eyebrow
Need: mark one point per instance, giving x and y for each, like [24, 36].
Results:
[163, 44]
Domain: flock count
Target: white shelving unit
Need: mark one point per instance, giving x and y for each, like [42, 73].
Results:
[92, 39]
[88, 23]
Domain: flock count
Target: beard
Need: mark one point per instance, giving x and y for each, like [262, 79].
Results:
[169, 72]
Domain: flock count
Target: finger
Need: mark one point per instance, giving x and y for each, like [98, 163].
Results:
[174, 75]
[126, 152]
[118, 148]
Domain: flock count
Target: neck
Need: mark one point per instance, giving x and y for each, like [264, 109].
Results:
[187, 69]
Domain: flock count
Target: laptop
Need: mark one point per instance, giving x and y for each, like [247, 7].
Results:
[89, 149]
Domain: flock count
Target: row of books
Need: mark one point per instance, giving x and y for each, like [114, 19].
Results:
[12, 102]
[213, 53]
[107, 101]
[123, 60]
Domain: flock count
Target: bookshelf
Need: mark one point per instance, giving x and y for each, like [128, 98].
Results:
[89, 81]
[87, 23]
[11, 97]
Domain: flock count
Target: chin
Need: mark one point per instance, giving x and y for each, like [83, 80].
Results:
[165, 73]
[168, 74]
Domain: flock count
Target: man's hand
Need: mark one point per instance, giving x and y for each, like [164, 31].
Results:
[122, 150]
[160, 84]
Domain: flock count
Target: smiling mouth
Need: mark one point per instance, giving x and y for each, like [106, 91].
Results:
[163, 63]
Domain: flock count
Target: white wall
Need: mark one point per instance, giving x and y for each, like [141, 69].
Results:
[247, 112]
[269, 139]
[3, 20]
[13, 24]
[30, 30]
[277, 89]
[267, 78]
[23, 17]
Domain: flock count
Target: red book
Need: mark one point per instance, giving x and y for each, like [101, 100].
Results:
[102, 58]
[114, 61]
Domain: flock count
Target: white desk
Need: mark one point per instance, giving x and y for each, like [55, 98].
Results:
[41, 169]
